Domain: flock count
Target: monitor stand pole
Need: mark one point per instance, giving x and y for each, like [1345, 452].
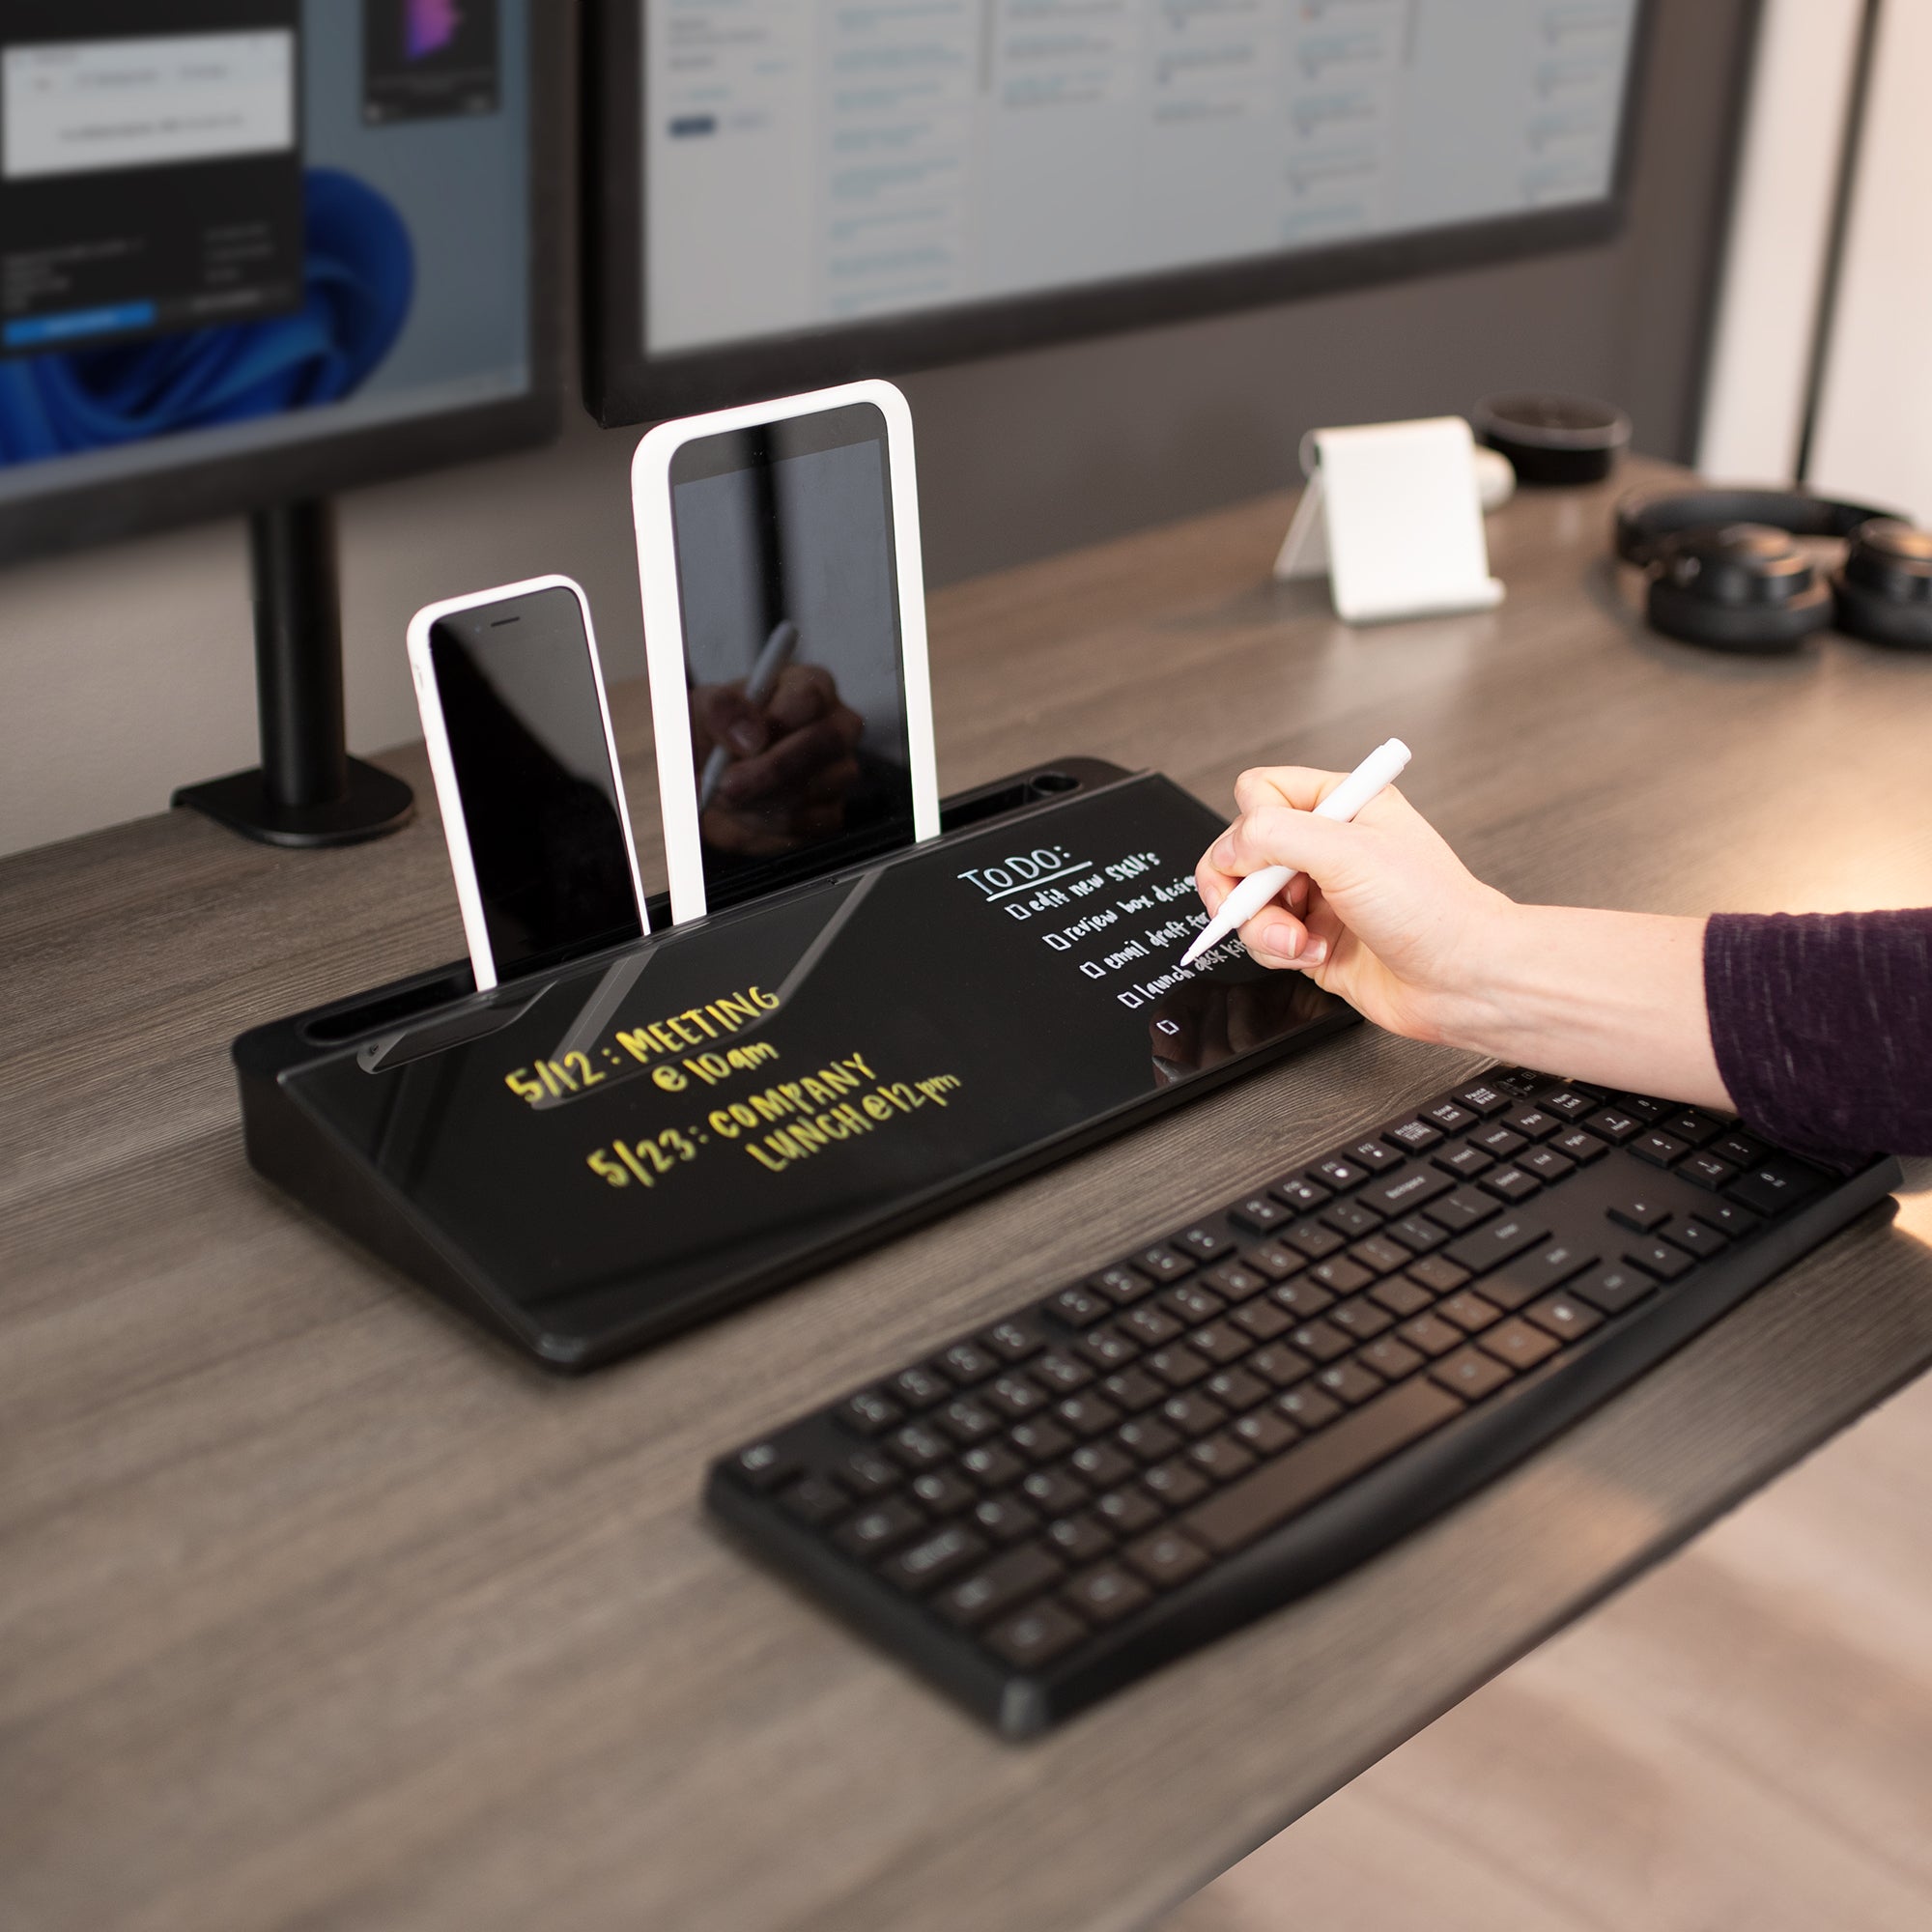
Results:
[308, 790]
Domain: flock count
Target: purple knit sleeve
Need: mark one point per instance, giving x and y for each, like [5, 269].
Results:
[1822, 1027]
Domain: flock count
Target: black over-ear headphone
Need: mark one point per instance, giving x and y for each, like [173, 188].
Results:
[1724, 570]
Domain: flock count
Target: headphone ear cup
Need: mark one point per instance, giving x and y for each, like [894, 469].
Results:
[1744, 587]
[1882, 592]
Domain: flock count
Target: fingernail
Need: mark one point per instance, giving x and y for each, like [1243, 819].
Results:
[744, 739]
[1222, 857]
[1316, 951]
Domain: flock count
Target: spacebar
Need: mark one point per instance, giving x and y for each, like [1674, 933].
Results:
[1271, 1494]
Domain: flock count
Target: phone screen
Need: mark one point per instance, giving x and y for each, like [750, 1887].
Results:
[788, 582]
[540, 799]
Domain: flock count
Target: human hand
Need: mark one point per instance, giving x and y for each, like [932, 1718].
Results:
[1382, 911]
[793, 764]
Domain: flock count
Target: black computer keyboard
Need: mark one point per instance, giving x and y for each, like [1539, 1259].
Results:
[1041, 1511]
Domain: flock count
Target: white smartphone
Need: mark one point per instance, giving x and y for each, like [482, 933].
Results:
[784, 627]
[525, 766]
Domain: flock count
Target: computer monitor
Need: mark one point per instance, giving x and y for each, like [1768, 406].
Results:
[253, 252]
[786, 194]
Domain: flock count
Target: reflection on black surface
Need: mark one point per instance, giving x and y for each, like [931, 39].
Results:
[547, 845]
[1211, 1021]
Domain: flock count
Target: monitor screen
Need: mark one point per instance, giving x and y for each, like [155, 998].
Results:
[228, 227]
[984, 172]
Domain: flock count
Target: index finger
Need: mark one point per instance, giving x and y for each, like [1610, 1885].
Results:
[1303, 786]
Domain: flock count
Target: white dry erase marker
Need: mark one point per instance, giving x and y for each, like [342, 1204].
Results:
[1376, 773]
[772, 660]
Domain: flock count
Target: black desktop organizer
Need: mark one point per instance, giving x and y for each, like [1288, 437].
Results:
[415, 1116]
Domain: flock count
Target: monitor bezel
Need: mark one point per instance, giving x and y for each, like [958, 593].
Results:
[624, 385]
[200, 490]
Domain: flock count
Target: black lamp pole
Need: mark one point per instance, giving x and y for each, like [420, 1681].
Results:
[307, 790]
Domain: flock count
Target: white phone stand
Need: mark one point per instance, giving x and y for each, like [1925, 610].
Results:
[1393, 513]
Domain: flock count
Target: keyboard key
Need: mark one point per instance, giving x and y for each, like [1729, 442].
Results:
[1404, 1296]
[1469, 1374]
[1308, 1407]
[1520, 1081]
[1432, 1335]
[1405, 1190]
[1320, 1340]
[1349, 1382]
[1284, 1367]
[967, 1362]
[1004, 1519]
[1392, 1358]
[1481, 1097]
[1266, 1433]
[1037, 1635]
[1299, 1193]
[1281, 1489]
[1547, 1164]
[1499, 1140]
[1695, 1239]
[1438, 1274]
[1533, 1123]
[1079, 1539]
[992, 1465]
[1193, 1301]
[1351, 1219]
[1131, 1390]
[1080, 1307]
[1741, 1150]
[1194, 1415]
[934, 1558]
[1150, 1327]
[919, 1388]
[817, 1500]
[871, 1411]
[764, 1465]
[1706, 1171]
[1570, 1104]
[1467, 1208]
[1417, 1233]
[1236, 1389]
[1040, 1441]
[1581, 1148]
[1339, 1275]
[1502, 1241]
[1061, 1372]
[1005, 1581]
[1774, 1184]
[1661, 1258]
[1660, 1150]
[1728, 1217]
[1303, 1298]
[1121, 1284]
[1220, 1342]
[1262, 1319]
[1013, 1340]
[1100, 1466]
[1053, 1491]
[1105, 1595]
[1416, 1135]
[1260, 1213]
[1086, 1414]
[1233, 1281]
[1162, 1263]
[942, 1494]
[1116, 1346]
[1374, 1156]
[1694, 1126]
[1313, 1242]
[1174, 1484]
[1379, 1255]
[1167, 1558]
[1564, 1316]
[1468, 1311]
[1148, 1439]
[1178, 1365]
[1200, 1243]
[919, 1447]
[1448, 1116]
[1530, 1275]
[1647, 1110]
[1361, 1319]
[1613, 1125]
[1338, 1174]
[1640, 1212]
[1463, 1160]
[1014, 1397]
[1512, 1184]
[1516, 1343]
[1613, 1288]
[1220, 1458]
[881, 1529]
[1273, 1261]
[1127, 1512]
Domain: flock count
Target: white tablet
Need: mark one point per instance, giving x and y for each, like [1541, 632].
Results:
[519, 745]
[784, 627]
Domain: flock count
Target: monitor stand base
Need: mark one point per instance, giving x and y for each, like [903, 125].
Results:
[371, 804]
[307, 791]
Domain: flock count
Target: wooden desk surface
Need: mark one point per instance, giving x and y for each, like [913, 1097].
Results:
[314, 1609]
